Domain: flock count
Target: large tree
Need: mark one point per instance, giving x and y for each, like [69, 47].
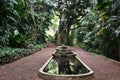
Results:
[70, 12]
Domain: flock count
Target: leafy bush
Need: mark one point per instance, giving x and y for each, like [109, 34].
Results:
[18, 40]
[8, 54]
[36, 46]
[6, 51]
[29, 18]
[104, 36]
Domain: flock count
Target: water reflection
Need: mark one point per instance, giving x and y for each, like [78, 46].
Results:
[65, 66]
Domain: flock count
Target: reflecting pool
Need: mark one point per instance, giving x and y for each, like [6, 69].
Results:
[72, 66]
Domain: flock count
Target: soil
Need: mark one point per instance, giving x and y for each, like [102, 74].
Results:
[27, 67]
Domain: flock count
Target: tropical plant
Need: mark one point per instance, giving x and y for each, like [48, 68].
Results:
[29, 18]
[103, 36]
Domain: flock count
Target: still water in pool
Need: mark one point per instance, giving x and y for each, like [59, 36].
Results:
[63, 66]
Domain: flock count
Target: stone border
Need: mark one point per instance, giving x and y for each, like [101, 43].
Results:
[47, 76]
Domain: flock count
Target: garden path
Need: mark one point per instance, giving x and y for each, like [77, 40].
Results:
[27, 67]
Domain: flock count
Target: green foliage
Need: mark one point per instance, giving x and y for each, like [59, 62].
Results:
[37, 46]
[69, 12]
[6, 51]
[29, 18]
[102, 4]
[100, 32]
[18, 40]
[22, 25]
[8, 54]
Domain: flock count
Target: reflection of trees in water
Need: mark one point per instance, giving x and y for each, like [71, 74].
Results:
[64, 66]
[70, 66]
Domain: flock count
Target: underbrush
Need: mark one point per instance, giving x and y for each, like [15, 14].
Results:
[8, 54]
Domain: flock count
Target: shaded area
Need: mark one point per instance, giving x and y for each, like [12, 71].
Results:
[27, 68]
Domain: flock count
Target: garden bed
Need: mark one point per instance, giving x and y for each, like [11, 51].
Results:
[8, 54]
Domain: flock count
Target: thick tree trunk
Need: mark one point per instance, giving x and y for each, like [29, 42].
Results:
[67, 34]
[59, 39]
[61, 28]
